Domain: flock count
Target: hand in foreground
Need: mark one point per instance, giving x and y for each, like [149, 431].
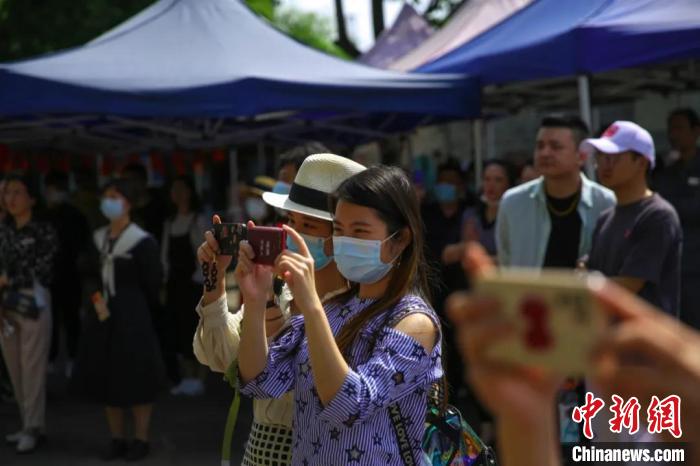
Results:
[524, 395]
[648, 353]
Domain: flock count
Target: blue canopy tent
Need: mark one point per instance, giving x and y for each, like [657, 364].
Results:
[194, 73]
[566, 38]
[551, 38]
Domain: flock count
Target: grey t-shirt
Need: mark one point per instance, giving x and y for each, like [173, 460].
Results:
[641, 240]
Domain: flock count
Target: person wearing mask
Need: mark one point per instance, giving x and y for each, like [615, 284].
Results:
[549, 222]
[479, 222]
[218, 336]
[253, 205]
[638, 242]
[119, 363]
[27, 251]
[149, 209]
[443, 238]
[521, 397]
[66, 289]
[182, 234]
[679, 183]
[370, 352]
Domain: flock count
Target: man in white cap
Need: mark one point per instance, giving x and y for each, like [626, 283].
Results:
[638, 242]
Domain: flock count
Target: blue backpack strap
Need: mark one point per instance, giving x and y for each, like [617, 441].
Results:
[231, 376]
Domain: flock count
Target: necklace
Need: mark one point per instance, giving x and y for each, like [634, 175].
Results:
[565, 212]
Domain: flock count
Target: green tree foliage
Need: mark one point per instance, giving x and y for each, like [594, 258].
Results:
[29, 28]
[265, 8]
[308, 28]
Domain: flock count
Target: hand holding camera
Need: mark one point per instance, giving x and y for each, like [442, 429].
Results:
[254, 279]
[297, 270]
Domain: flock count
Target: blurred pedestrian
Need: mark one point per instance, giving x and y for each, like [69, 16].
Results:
[119, 362]
[638, 242]
[66, 289]
[443, 238]
[479, 223]
[528, 172]
[679, 183]
[549, 221]
[149, 209]
[181, 237]
[27, 250]
[253, 205]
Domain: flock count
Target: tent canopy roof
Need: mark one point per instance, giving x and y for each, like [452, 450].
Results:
[555, 38]
[215, 58]
[471, 19]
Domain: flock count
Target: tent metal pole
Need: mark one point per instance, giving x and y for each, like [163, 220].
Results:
[478, 128]
[584, 103]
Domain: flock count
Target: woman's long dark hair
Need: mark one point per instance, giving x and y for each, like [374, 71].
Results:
[388, 191]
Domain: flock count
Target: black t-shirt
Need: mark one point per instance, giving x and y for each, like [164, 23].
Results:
[641, 240]
[565, 235]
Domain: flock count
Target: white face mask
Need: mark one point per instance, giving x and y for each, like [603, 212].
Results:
[256, 208]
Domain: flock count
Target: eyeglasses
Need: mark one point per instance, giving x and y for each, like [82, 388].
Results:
[606, 159]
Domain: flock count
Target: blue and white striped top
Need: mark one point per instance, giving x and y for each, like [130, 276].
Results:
[386, 367]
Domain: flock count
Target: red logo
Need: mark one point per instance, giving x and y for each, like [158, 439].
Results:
[626, 414]
[665, 415]
[611, 131]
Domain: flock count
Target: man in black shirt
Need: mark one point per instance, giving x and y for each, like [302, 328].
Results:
[638, 242]
[680, 184]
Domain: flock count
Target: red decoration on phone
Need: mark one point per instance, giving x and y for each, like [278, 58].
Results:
[536, 313]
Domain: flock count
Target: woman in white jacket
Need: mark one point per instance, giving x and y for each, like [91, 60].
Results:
[217, 336]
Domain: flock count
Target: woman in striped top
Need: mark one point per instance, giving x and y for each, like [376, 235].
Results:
[218, 335]
[360, 368]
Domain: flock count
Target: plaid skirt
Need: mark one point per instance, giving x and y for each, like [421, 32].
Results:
[268, 445]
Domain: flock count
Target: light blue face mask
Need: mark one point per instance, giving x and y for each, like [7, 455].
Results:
[445, 192]
[112, 208]
[315, 245]
[281, 188]
[360, 260]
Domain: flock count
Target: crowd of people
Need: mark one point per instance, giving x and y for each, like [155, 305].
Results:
[341, 340]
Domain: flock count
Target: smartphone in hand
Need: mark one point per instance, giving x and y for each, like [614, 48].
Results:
[557, 319]
[267, 242]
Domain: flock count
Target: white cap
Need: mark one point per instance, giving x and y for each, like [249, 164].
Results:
[623, 136]
[318, 177]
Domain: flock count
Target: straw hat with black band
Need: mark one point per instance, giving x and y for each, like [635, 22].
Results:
[317, 178]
